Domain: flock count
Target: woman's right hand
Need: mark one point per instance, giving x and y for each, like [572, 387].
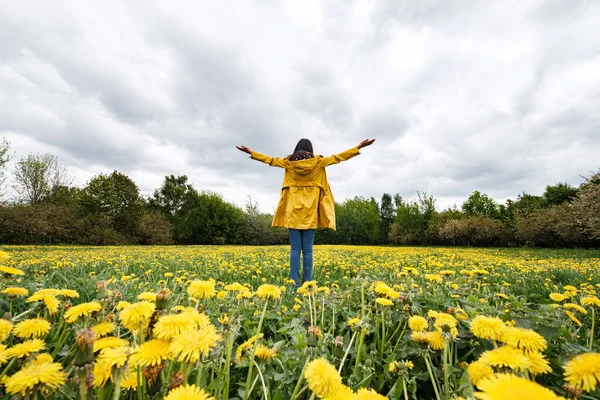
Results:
[365, 143]
[244, 149]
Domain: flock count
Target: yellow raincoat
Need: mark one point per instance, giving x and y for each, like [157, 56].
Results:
[306, 201]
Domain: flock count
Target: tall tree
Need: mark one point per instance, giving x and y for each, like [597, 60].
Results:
[117, 197]
[386, 217]
[172, 195]
[481, 204]
[559, 194]
[37, 175]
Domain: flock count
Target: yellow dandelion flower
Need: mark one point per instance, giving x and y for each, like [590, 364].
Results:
[341, 392]
[524, 339]
[45, 377]
[583, 371]
[40, 294]
[420, 337]
[384, 302]
[577, 307]
[169, 326]
[67, 293]
[491, 328]
[240, 354]
[539, 364]
[31, 328]
[590, 301]
[436, 340]
[109, 342]
[192, 345]
[147, 296]
[102, 373]
[80, 310]
[435, 278]
[417, 323]
[268, 291]
[137, 315]
[558, 297]
[51, 303]
[3, 356]
[25, 349]
[479, 370]
[10, 270]
[103, 329]
[202, 289]
[108, 359]
[153, 352]
[322, 377]
[188, 392]
[265, 353]
[200, 319]
[15, 291]
[121, 305]
[506, 356]
[504, 386]
[5, 329]
[353, 322]
[42, 358]
[367, 394]
[573, 318]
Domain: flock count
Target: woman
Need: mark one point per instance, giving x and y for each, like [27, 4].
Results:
[306, 202]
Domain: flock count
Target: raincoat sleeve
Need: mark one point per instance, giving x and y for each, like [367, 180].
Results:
[272, 161]
[337, 158]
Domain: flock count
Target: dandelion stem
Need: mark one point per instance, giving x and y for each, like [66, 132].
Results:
[591, 339]
[431, 376]
[262, 380]
[446, 371]
[346, 353]
[299, 383]
[10, 364]
[404, 390]
[249, 378]
[228, 366]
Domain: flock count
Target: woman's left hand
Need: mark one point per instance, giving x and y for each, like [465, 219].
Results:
[365, 143]
[244, 149]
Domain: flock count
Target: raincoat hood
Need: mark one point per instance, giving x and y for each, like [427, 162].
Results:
[304, 167]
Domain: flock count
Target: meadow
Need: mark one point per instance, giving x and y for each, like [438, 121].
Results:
[224, 322]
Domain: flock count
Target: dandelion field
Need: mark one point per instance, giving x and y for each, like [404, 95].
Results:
[223, 322]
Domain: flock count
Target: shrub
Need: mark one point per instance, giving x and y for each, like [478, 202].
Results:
[551, 227]
[476, 230]
[155, 229]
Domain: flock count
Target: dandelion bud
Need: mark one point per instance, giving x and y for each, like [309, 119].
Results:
[572, 391]
[338, 349]
[314, 335]
[161, 299]
[84, 353]
[176, 380]
[152, 375]
[339, 341]
[101, 290]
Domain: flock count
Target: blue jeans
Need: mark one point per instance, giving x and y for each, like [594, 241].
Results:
[301, 240]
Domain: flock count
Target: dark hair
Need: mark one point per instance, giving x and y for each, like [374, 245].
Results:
[304, 145]
[302, 151]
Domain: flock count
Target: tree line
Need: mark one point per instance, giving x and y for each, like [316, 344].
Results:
[110, 210]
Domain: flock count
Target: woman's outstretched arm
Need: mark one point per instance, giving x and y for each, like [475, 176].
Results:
[346, 155]
[272, 161]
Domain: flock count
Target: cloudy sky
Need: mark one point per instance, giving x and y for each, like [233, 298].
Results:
[501, 97]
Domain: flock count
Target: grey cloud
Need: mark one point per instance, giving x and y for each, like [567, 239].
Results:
[319, 96]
